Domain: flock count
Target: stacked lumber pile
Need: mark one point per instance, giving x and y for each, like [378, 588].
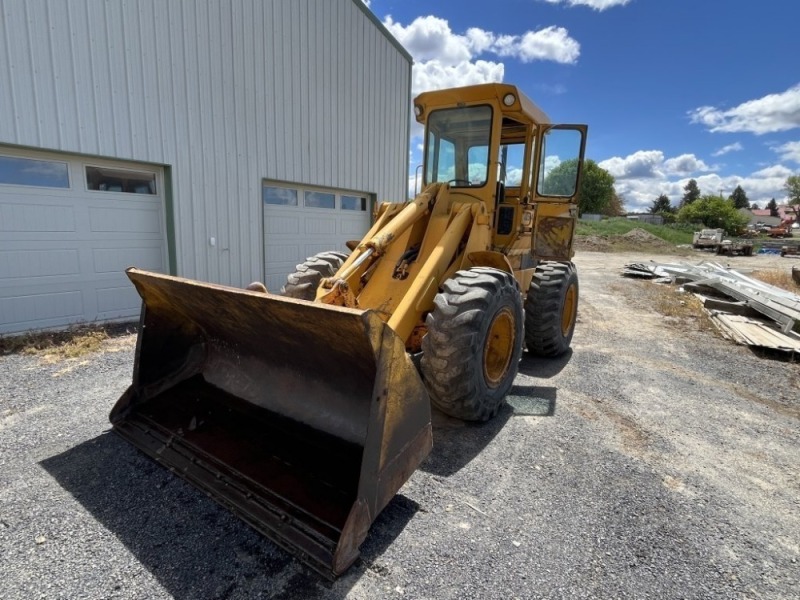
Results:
[745, 310]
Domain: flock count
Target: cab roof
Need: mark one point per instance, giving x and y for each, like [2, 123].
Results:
[523, 109]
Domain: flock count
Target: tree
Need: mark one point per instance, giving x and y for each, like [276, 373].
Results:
[755, 206]
[714, 212]
[739, 198]
[661, 205]
[792, 187]
[692, 193]
[615, 208]
[773, 208]
[597, 185]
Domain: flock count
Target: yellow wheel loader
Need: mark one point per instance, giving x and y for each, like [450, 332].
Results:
[304, 412]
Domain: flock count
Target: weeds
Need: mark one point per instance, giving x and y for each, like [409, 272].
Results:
[683, 307]
[70, 343]
[779, 278]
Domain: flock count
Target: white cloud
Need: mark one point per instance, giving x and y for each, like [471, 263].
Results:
[790, 151]
[776, 171]
[685, 164]
[644, 164]
[644, 175]
[759, 186]
[595, 4]
[550, 43]
[735, 147]
[651, 164]
[430, 38]
[774, 112]
[444, 58]
[434, 75]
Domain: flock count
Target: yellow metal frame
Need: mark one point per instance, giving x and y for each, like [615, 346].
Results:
[413, 248]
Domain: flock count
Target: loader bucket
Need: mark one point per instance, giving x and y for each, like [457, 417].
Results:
[303, 419]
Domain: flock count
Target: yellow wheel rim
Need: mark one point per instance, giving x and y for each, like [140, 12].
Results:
[568, 313]
[499, 347]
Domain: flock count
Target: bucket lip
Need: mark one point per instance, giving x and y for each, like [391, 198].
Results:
[374, 327]
[235, 492]
[136, 274]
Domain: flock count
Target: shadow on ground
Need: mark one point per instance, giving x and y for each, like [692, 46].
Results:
[456, 443]
[192, 546]
[544, 368]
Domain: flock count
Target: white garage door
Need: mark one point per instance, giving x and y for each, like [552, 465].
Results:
[68, 229]
[301, 221]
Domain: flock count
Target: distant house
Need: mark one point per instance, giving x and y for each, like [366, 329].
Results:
[645, 218]
[785, 211]
[760, 216]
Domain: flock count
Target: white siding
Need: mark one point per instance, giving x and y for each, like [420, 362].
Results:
[225, 92]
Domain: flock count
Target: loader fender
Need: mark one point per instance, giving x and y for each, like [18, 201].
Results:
[495, 260]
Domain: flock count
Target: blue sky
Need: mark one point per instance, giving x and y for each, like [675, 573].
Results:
[671, 89]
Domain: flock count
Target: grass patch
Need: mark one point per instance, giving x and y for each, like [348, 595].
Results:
[674, 234]
[69, 343]
[684, 307]
[779, 278]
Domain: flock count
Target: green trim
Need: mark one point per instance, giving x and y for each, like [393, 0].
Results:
[169, 212]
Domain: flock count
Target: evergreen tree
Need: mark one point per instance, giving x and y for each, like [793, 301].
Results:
[692, 193]
[739, 198]
[773, 208]
[661, 205]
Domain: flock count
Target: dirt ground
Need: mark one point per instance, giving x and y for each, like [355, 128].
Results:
[654, 460]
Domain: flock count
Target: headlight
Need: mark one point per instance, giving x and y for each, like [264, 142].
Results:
[509, 99]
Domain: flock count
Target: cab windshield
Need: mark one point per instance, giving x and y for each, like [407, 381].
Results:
[457, 146]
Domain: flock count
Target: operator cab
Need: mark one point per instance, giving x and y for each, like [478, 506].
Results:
[483, 144]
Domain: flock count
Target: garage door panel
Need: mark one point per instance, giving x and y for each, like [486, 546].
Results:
[36, 218]
[63, 251]
[325, 246]
[352, 227]
[282, 224]
[121, 220]
[314, 225]
[29, 308]
[38, 263]
[116, 260]
[118, 301]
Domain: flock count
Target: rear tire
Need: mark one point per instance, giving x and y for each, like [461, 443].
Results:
[474, 342]
[551, 309]
[303, 283]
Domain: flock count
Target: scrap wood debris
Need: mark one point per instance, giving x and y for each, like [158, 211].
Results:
[745, 310]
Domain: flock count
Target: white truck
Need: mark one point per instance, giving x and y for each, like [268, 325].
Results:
[707, 239]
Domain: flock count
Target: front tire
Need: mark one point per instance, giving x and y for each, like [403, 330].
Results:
[303, 283]
[551, 309]
[474, 342]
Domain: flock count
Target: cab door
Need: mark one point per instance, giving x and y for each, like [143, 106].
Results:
[558, 168]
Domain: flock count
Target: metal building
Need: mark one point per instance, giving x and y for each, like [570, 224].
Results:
[223, 140]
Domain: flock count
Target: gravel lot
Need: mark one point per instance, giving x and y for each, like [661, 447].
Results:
[654, 461]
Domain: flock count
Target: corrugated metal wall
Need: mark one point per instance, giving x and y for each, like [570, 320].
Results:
[225, 92]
